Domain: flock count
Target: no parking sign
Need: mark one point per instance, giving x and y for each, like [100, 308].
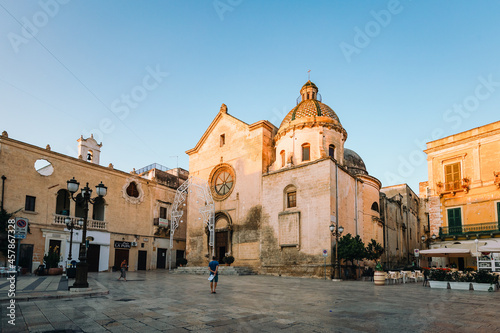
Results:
[21, 228]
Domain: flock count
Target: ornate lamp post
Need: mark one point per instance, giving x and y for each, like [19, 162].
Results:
[71, 225]
[86, 192]
[336, 231]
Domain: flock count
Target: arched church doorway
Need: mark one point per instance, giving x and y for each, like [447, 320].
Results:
[223, 235]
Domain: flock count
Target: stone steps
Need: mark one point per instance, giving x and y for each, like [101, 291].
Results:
[223, 270]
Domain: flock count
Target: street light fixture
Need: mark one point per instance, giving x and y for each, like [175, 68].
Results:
[71, 225]
[337, 263]
[86, 193]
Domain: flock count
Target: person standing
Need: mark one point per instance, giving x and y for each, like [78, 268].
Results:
[123, 269]
[213, 267]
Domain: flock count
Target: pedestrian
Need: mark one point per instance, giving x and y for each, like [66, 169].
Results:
[426, 277]
[213, 267]
[123, 270]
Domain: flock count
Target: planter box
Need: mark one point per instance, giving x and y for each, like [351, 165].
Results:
[460, 285]
[438, 284]
[379, 278]
[483, 286]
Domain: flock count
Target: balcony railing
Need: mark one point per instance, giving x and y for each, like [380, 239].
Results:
[480, 228]
[91, 224]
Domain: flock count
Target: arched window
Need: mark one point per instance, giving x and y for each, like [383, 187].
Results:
[79, 211]
[283, 160]
[62, 202]
[90, 156]
[306, 155]
[98, 213]
[375, 206]
[290, 197]
[331, 151]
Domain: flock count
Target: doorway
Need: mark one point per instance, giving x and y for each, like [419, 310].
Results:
[461, 263]
[120, 255]
[161, 258]
[221, 245]
[141, 261]
[26, 256]
[93, 257]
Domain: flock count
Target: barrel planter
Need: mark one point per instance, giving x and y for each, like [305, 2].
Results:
[379, 278]
[55, 271]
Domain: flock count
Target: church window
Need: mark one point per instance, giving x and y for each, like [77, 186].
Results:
[222, 139]
[331, 150]
[452, 176]
[375, 206]
[282, 158]
[306, 152]
[222, 181]
[291, 199]
[132, 190]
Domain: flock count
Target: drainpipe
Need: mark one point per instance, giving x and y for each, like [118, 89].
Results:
[356, 204]
[3, 189]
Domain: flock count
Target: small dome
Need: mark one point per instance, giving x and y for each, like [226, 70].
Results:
[354, 163]
[310, 108]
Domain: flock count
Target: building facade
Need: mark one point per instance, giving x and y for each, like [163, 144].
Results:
[125, 224]
[462, 195]
[277, 190]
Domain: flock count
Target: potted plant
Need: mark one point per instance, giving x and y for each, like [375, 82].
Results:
[52, 260]
[228, 260]
[437, 279]
[459, 281]
[379, 275]
[485, 281]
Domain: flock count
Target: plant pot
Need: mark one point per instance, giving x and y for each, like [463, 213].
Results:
[379, 278]
[438, 284]
[55, 271]
[483, 286]
[460, 285]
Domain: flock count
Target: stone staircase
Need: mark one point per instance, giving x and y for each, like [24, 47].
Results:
[223, 270]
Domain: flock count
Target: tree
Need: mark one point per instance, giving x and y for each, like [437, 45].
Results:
[351, 249]
[374, 250]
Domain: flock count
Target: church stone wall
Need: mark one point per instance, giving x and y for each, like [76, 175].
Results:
[313, 210]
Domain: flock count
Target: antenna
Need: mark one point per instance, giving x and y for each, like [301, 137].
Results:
[177, 163]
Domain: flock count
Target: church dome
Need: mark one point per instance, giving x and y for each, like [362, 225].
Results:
[354, 163]
[311, 111]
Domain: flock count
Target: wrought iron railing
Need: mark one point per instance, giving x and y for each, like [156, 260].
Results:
[91, 224]
[470, 229]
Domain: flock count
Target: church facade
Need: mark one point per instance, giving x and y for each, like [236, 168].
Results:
[277, 190]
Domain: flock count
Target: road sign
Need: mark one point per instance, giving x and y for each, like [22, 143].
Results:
[416, 252]
[325, 253]
[21, 228]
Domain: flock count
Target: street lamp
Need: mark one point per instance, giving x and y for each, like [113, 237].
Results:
[71, 225]
[477, 254]
[336, 233]
[86, 193]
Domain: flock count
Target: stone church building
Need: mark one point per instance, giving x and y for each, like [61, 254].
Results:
[277, 190]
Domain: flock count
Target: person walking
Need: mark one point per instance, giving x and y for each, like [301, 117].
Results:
[213, 267]
[123, 269]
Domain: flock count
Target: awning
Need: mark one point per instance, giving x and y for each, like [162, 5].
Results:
[446, 252]
[493, 248]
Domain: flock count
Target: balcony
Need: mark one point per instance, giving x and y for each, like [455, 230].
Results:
[470, 229]
[91, 224]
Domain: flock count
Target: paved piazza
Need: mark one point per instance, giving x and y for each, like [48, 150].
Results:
[158, 301]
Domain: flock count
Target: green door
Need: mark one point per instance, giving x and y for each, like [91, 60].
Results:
[455, 221]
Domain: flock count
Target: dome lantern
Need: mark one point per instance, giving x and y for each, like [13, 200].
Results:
[309, 91]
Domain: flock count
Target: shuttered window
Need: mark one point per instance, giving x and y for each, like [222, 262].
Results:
[452, 176]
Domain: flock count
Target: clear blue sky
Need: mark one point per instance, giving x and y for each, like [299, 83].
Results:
[393, 71]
